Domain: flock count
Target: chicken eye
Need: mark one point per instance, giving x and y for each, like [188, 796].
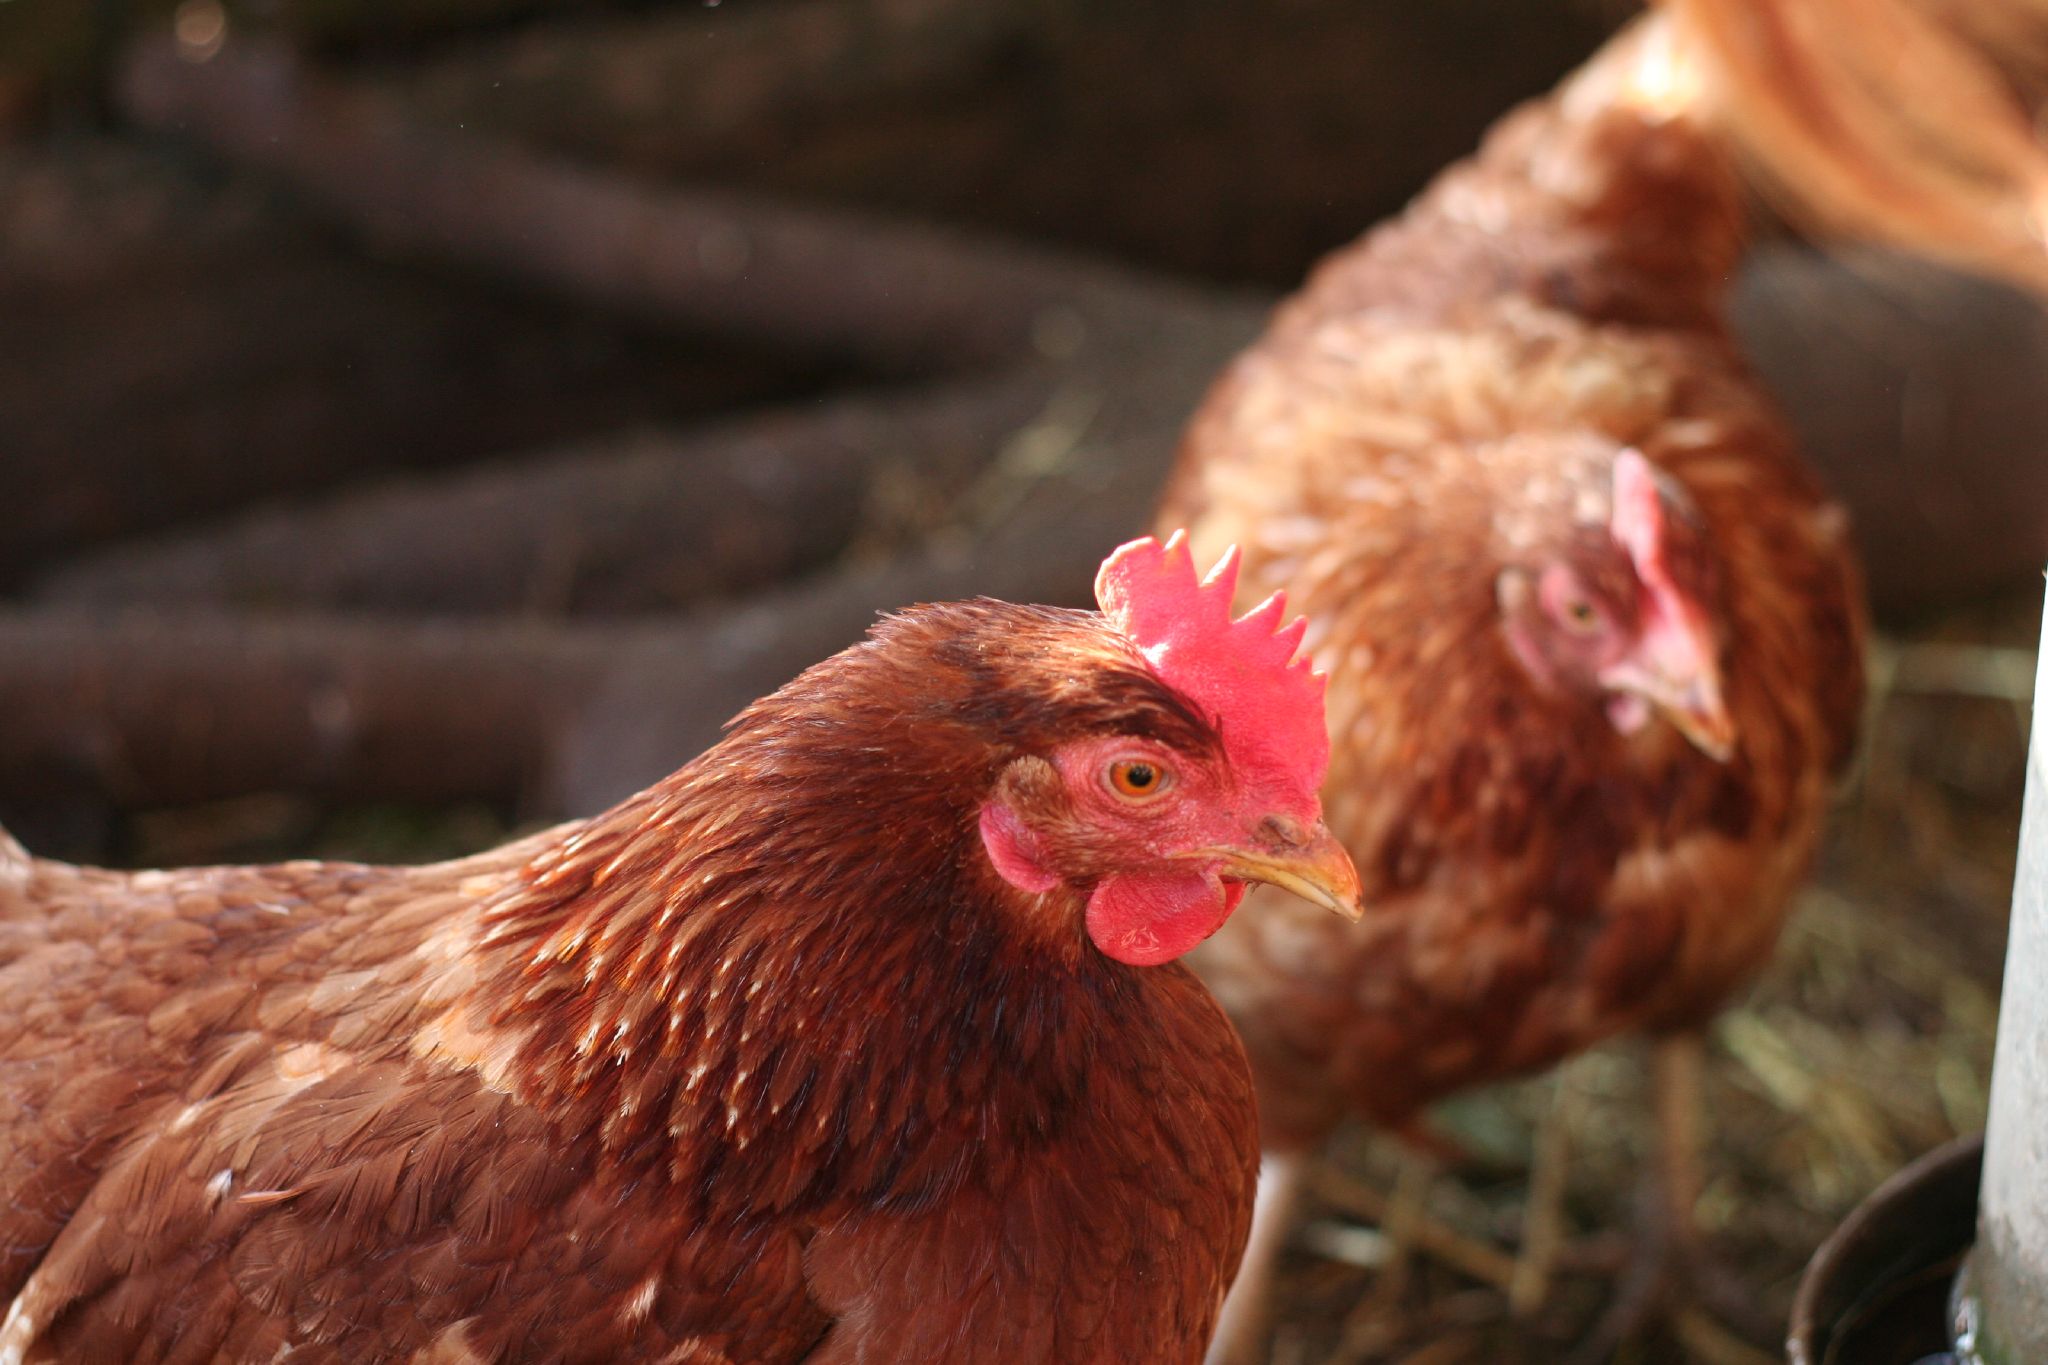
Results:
[1581, 615]
[1138, 779]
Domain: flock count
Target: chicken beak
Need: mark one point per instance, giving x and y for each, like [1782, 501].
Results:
[1673, 670]
[1702, 716]
[1311, 864]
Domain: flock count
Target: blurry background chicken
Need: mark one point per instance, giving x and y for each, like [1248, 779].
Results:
[396, 417]
[839, 1045]
[1596, 637]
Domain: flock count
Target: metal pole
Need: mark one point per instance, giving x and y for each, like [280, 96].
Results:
[2003, 1307]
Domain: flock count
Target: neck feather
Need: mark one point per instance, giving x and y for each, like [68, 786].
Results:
[704, 975]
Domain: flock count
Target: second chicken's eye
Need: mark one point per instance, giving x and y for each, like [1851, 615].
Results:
[1581, 614]
[1138, 779]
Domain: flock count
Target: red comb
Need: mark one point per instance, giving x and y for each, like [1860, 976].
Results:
[1637, 522]
[1268, 704]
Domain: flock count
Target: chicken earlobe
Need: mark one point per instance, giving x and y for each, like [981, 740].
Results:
[1011, 849]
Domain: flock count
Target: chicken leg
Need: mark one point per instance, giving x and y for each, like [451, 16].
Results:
[1403, 1217]
[1671, 1273]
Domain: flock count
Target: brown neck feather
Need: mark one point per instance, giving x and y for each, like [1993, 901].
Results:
[747, 963]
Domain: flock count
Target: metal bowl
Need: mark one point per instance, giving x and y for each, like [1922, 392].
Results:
[1877, 1291]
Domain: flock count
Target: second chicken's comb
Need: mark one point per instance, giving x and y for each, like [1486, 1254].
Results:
[1242, 671]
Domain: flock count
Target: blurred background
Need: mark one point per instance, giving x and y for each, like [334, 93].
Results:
[422, 419]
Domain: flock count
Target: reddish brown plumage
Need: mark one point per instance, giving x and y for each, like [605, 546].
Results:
[767, 1064]
[1432, 421]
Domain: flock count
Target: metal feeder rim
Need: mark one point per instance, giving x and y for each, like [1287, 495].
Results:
[1864, 1250]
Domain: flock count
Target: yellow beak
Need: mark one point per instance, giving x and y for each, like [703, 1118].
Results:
[1702, 717]
[1314, 867]
[1675, 672]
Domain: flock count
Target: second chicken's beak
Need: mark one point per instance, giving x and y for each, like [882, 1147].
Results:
[1673, 671]
[1702, 716]
[1311, 864]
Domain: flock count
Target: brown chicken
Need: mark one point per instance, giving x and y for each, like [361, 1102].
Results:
[1594, 638]
[857, 1039]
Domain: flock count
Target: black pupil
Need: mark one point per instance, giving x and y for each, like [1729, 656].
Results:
[1138, 775]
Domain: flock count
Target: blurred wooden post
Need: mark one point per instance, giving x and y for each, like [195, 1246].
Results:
[2005, 1311]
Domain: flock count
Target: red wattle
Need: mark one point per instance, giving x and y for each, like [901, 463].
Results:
[1146, 918]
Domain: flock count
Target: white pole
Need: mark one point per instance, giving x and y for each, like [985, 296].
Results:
[2005, 1316]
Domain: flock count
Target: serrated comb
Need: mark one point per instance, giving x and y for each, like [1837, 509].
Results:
[1242, 672]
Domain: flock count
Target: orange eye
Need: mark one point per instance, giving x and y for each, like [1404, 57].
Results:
[1138, 779]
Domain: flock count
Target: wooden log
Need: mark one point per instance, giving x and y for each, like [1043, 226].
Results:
[1230, 139]
[627, 87]
[173, 349]
[886, 295]
[645, 522]
[155, 709]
